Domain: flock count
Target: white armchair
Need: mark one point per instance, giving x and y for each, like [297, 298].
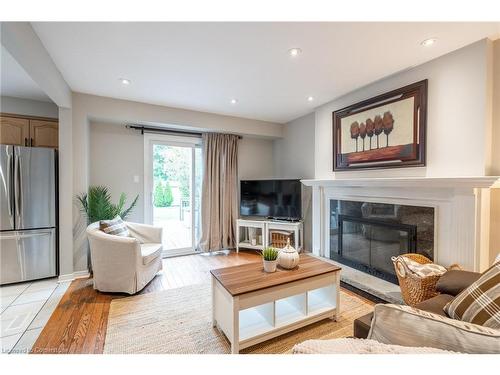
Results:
[125, 264]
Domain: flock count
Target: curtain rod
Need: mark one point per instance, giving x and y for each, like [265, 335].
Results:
[152, 129]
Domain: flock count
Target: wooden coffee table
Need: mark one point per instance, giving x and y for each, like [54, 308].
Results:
[251, 306]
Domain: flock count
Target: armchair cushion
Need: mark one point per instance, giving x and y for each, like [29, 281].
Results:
[454, 281]
[115, 227]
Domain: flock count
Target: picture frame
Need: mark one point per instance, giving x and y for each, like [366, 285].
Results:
[386, 131]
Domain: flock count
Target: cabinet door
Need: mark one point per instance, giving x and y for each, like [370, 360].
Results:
[44, 133]
[14, 131]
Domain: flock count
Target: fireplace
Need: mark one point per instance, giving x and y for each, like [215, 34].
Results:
[365, 235]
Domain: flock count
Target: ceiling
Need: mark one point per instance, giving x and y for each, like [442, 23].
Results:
[16, 82]
[202, 66]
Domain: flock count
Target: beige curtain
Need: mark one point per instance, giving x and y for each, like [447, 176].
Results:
[219, 197]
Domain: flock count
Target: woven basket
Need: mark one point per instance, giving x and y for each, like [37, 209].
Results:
[279, 239]
[414, 289]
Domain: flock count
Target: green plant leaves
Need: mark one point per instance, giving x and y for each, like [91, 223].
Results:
[270, 253]
[97, 205]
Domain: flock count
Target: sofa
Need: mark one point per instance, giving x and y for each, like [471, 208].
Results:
[425, 328]
[449, 285]
[427, 325]
[125, 264]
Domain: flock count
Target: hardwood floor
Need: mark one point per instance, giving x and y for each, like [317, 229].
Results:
[78, 325]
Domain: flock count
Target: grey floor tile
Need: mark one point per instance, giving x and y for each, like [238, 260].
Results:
[26, 341]
[16, 319]
[13, 290]
[45, 313]
[8, 342]
[40, 295]
[42, 285]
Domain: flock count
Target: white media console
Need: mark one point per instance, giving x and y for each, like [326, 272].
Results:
[256, 234]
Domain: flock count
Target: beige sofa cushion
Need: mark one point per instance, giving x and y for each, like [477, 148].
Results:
[408, 326]
[150, 251]
[358, 346]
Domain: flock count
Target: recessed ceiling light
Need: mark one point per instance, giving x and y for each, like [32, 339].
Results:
[294, 52]
[428, 42]
[124, 81]
[234, 101]
[310, 98]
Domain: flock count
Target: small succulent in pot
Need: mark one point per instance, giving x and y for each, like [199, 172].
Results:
[270, 259]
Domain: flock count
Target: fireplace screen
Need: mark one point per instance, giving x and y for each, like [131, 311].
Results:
[366, 235]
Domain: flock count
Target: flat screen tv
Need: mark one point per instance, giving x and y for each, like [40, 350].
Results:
[273, 199]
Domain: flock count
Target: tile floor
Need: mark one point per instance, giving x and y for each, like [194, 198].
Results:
[24, 311]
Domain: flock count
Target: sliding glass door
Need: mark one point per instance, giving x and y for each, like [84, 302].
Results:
[173, 190]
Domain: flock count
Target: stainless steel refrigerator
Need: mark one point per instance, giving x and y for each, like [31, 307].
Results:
[28, 202]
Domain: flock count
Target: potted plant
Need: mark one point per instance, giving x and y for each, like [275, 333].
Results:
[97, 205]
[270, 259]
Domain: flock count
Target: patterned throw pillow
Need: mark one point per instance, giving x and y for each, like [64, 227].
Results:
[480, 302]
[116, 227]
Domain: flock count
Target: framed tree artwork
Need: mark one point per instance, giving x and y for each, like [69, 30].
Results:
[387, 131]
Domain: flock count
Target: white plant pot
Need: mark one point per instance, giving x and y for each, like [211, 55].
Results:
[270, 265]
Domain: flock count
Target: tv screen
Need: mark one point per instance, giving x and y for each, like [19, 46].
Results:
[278, 199]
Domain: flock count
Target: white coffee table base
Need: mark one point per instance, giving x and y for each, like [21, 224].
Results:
[250, 318]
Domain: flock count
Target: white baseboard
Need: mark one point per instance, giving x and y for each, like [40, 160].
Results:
[73, 276]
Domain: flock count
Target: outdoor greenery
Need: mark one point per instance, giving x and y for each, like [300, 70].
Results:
[270, 253]
[96, 204]
[172, 164]
[163, 196]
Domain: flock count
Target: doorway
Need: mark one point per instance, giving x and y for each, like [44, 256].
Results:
[173, 190]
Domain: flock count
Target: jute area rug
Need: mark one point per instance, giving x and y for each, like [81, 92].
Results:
[179, 321]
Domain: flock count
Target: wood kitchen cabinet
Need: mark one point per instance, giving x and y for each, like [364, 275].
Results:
[28, 131]
[43, 133]
[14, 131]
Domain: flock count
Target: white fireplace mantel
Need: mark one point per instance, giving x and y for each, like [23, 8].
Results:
[461, 208]
[428, 182]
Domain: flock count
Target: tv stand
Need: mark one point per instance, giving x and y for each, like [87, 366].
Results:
[256, 233]
[282, 219]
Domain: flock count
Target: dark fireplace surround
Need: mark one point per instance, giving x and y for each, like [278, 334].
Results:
[365, 235]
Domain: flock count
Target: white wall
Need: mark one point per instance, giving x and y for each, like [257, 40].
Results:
[28, 107]
[456, 120]
[495, 164]
[117, 155]
[495, 137]
[294, 158]
[255, 158]
[294, 153]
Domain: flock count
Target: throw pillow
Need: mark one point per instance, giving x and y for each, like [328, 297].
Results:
[115, 227]
[480, 302]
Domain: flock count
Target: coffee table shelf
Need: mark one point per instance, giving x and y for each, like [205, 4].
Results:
[320, 300]
[256, 321]
[289, 310]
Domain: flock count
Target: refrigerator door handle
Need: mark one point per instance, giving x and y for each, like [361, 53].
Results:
[18, 189]
[8, 187]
